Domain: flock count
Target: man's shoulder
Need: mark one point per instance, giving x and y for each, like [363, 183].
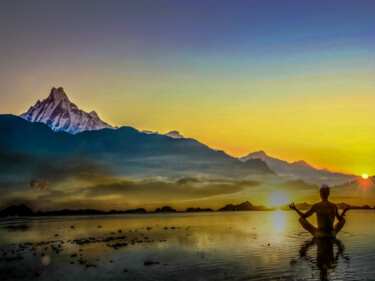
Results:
[333, 205]
[324, 204]
[316, 205]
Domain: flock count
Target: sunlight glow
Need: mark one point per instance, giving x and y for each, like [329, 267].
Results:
[278, 198]
[365, 176]
[365, 183]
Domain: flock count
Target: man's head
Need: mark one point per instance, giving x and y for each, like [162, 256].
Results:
[324, 191]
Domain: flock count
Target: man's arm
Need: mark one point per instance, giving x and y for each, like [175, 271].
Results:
[341, 217]
[303, 215]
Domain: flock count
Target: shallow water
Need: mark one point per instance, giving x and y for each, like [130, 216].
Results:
[196, 246]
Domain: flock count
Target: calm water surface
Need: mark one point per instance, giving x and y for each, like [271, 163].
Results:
[202, 246]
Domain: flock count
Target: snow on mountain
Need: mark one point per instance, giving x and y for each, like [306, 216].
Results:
[300, 170]
[171, 134]
[149, 132]
[174, 134]
[59, 113]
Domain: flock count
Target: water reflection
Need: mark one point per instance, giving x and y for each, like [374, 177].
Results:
[279, 220]
[328, 254]
[197, 246]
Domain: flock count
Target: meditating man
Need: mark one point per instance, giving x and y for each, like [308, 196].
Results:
[325, 213]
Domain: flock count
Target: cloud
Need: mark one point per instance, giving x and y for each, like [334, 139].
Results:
[42, 185]
[166, 189]
[187, 180]
[295, 185]
[130, 193]
[80, 182]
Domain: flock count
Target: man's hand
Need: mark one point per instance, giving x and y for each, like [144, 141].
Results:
[347, 208]
[292, 206]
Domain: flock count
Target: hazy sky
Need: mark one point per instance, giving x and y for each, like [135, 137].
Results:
[294, 78]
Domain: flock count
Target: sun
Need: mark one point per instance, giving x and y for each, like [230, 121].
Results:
[365, 176]
[278, 199]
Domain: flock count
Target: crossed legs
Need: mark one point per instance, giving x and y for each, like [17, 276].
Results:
[339, 225]
[308, 226]
[313, 230]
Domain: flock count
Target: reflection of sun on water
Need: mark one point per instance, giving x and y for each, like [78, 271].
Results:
[279, 220]
[278, 199]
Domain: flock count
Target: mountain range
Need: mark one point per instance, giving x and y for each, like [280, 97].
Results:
[32, 150]
[65, 158]
[300, 170]
[128, 151]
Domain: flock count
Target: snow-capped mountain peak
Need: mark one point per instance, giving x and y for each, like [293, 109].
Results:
[58, 112]
[58, 94]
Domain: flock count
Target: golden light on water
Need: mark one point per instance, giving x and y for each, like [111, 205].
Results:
[278, 199]
[279, 220]
[365, 176]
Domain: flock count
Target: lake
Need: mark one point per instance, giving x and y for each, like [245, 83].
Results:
[184, 246]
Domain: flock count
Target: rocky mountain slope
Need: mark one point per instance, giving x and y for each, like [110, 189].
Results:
[60, 114]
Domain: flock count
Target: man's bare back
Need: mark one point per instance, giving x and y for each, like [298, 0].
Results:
[326, 212]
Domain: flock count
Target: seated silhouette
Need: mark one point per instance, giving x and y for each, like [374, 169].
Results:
[326, 212]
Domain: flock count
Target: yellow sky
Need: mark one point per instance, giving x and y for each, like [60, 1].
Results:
[328, 124]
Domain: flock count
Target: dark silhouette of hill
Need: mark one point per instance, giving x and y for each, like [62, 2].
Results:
[196, 210]
[14, 210]
[165, 209]
[136, 211]
[245, 206]
[24, 211]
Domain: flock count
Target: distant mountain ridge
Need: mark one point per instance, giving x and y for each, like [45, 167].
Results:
[124, 151]
[172, 134]
[25, 211]
[245, 206]
[60, 114]
[300, 170]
